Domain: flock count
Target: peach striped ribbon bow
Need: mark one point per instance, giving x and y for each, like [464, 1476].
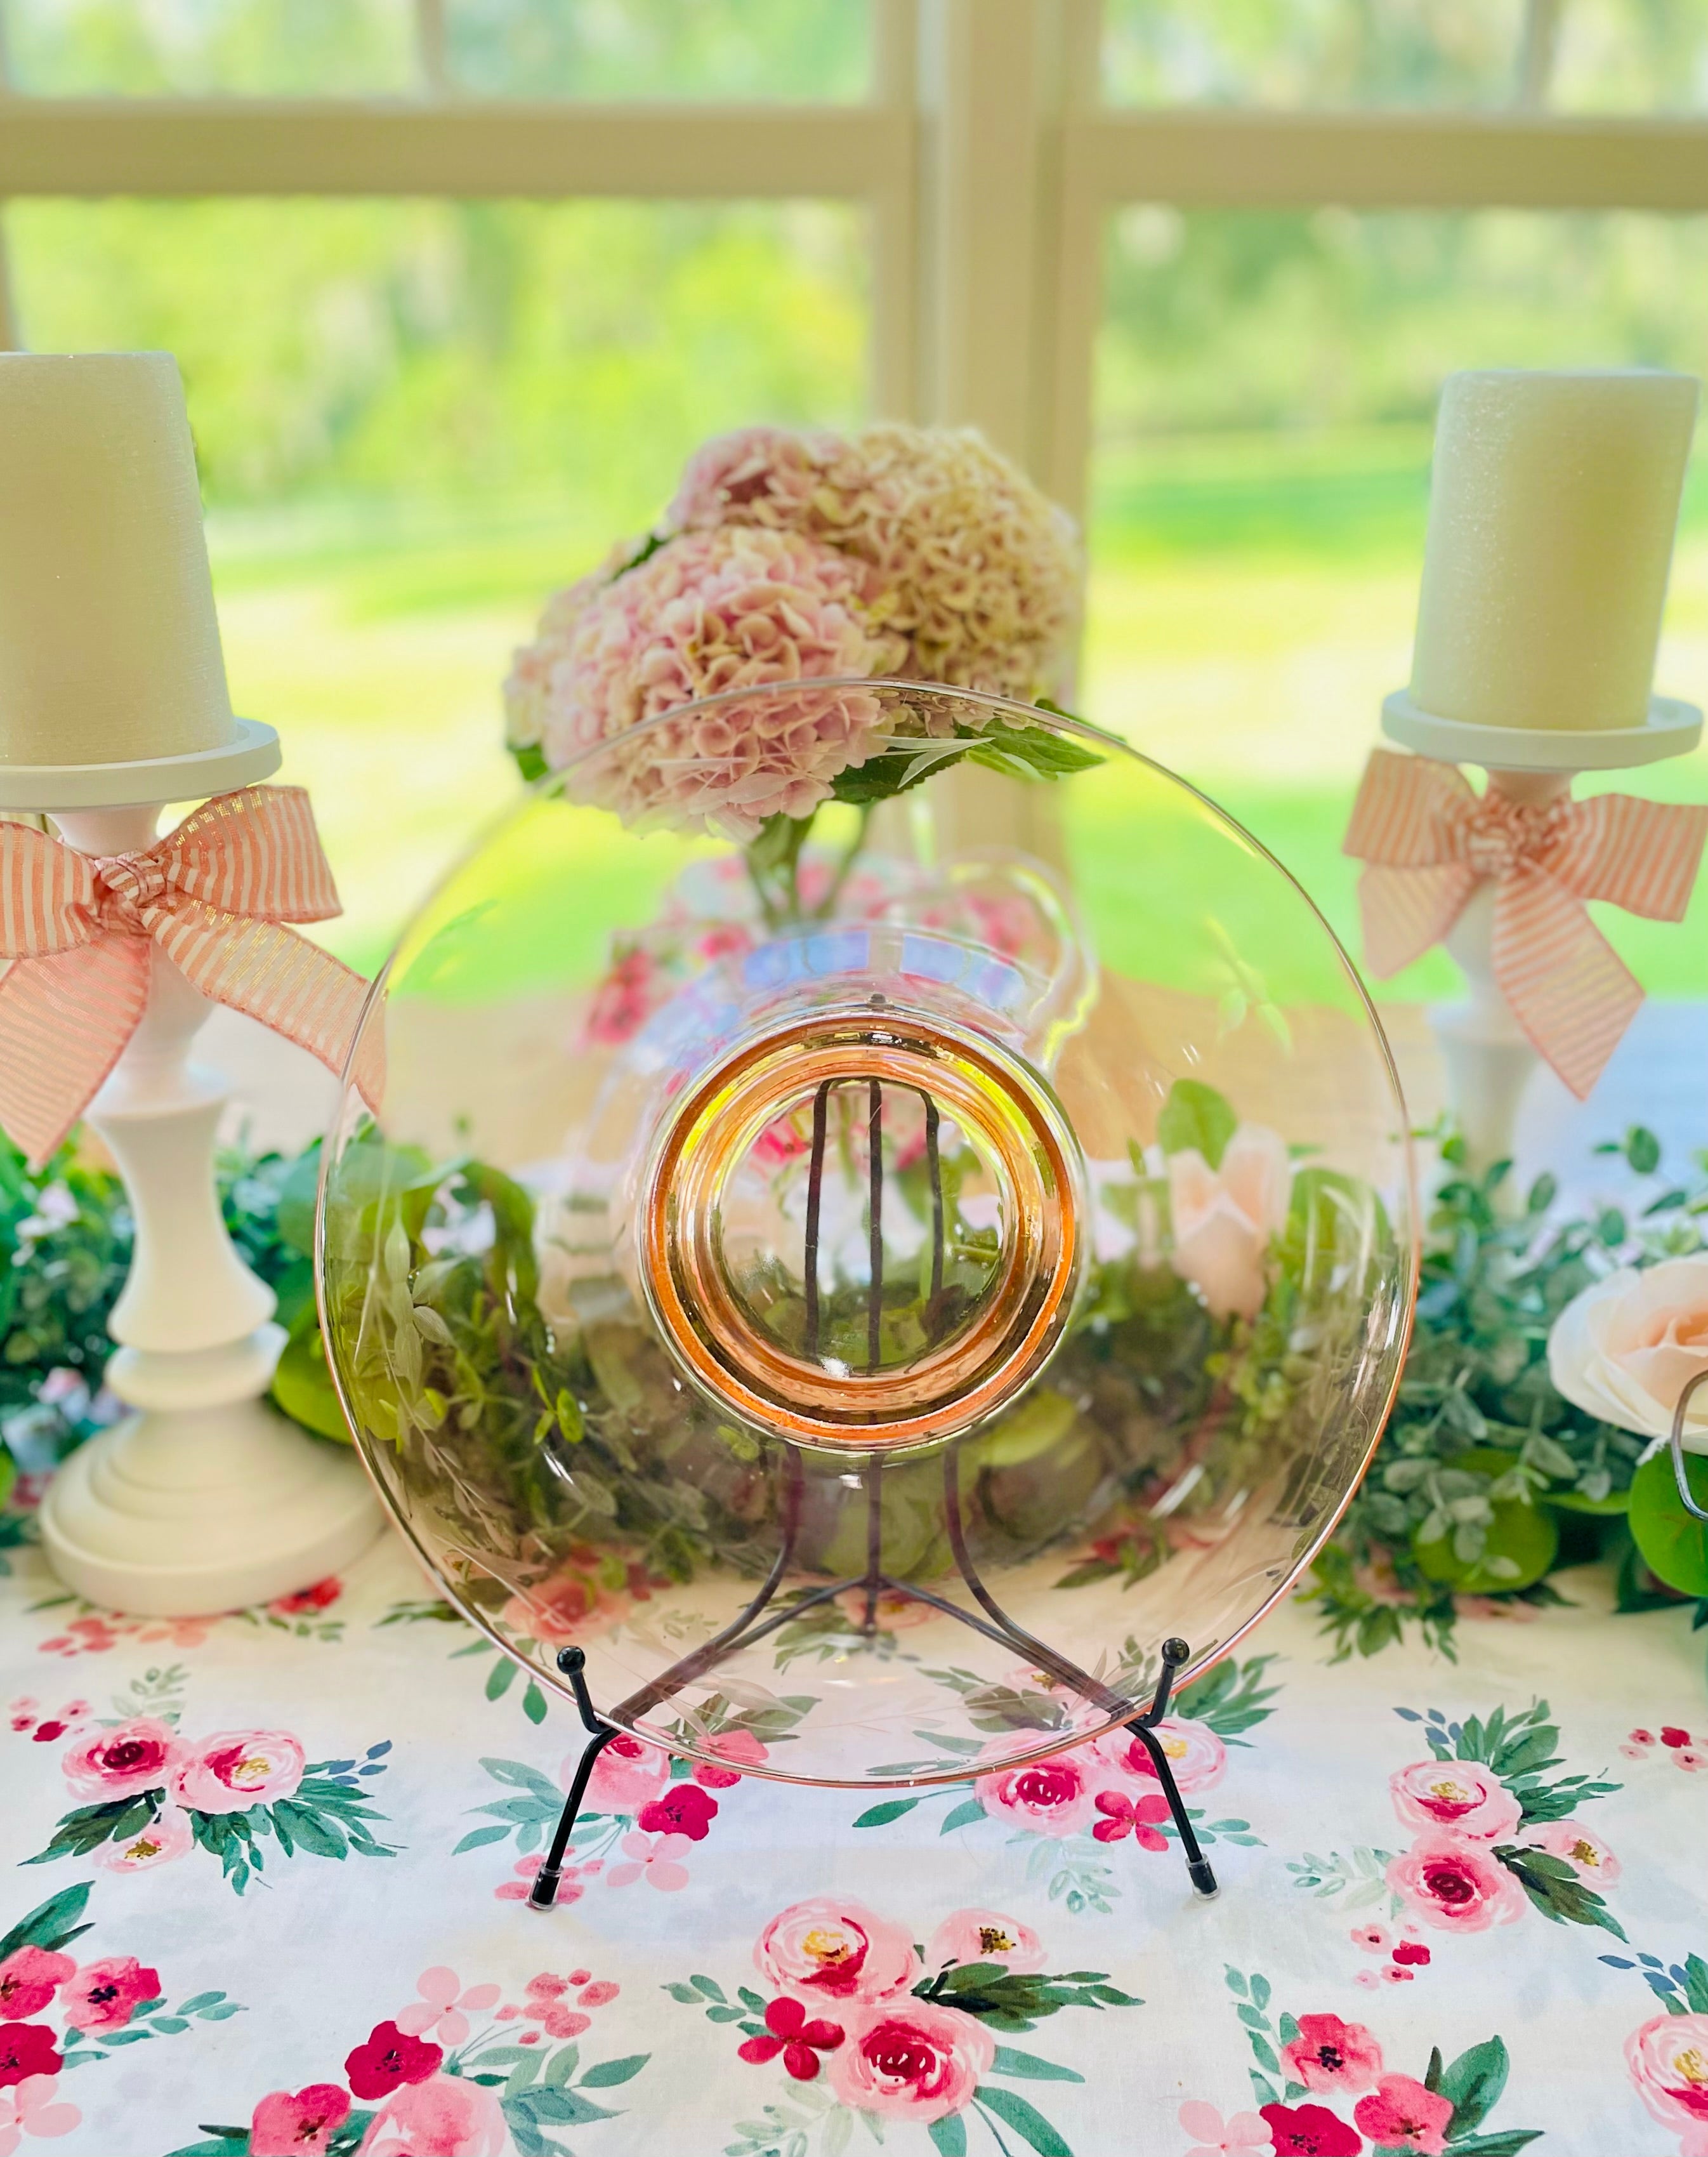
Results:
[80, 932]
[1430, 840]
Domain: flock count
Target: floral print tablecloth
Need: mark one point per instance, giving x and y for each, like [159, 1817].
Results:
[267, 1878]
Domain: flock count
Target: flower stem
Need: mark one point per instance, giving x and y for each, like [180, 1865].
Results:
[844, 868]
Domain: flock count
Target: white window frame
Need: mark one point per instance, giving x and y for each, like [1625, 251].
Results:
[984, 159]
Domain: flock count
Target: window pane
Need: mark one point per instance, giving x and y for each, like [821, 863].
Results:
[1632, 56]
[201, 48]
[1312, 52]
[1265, 400]
[415, 419]
[643, 48]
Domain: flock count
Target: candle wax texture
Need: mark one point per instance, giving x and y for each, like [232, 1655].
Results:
[109, 646]
[1552, 506]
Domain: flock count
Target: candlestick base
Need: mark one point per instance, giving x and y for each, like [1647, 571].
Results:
[1672, 728]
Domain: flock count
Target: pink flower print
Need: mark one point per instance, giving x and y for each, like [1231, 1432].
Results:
[442, 2011]
[308, 1602]
[1450, 1883]
[29, 1976]
[1310, 2130]
[28, 2109]
[22, 1712]
[1587, 1854]
[1196, 1754]
[1412, 1951]
[600, 1993]
[1401, 2114]
[182, 1632]
[907, 2060]
[969, 1936]
[1668, 2060]
[298, 2122]
[544, 2003]
[740, 1746]
[1244, 2135]
[53, 1727]
[624, 999]
[1329, 2055]
[1370, 1979]
[518, 1889]
[658, 1863]
[84, 1636]
[1641, 1738]
[896, 1612]
[446, 2116]
[789, 2030]
[124, 1760]
[1673, 1736]
[826, 1949]
[1053, 1797]
[1137, 1817]
[573, 1604]
[1462, 1795]
[166, 1836]
[679, 1809]
[626, 1775]
[390, 2057]
[1374, 1939]
[237, 1768]
[27, 2049]
[1692, 1758]
[104, 1995]
[1393, 1974]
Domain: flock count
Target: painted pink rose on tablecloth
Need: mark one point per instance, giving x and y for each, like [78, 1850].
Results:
[679, 1809]
[298, 2122]
[627, 1774]
[1447, 1880]
[124, 1760]
[104, 1995]
[1310, 2130]
[449, 2116]
[1587, 1854]
[908, 2060]
[1330, 2055]
[443, 2009]
[29, 2108]
[1668, 2062]
[27, 2049]
[235, 1769]
[741, 1748]
[166, 1836]
[387, 2059]
[1401, 2114]
[1054, 1797]
[28, 1979]
[1463, 1796]
[557, 1613]
[967, 1935]
[1196, 1755]
[1243, 2135]
[825, 1949]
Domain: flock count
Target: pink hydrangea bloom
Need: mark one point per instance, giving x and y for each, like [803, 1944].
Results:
[967, 1935]
[104, 1995]
[1448, 1880]
[1329, 2054]
[1401, 2114]
[237, 1768]
[710, 612]
[124, 1760]
[298, 2122]
[1462, 1795]
[764, 476]
[445, 2116]
[826, 1949]
[168, 1836]
[1668, 2062]
[905, 2059]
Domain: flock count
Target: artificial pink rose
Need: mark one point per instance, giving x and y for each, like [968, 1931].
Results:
[906, 2060]
[1462, 1795]
[1587, 1854]
[1401, 2114]
[1330, 2055]
[446, 2116]
[627, 1775]
[123, 1761]
[1668, 2062]
[740, 1748]
[1054, 1797]
[237, 1768]
[29, 1976]
[1626, 1347]
[104, 1995]
[298, 2122]
[28, 2108]
[1193, 1751]
[1447, 1880]
[825, 1949]
[166, 1836]
[985, 1936]
[1225, 1218]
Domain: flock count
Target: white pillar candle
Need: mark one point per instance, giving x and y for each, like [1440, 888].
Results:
[109, 646]
[1552, 506]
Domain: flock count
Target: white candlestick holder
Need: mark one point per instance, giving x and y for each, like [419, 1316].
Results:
[1490, 1059]
[203, 1499]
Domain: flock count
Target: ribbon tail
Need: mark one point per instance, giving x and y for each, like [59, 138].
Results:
[64, 1020]
[273, 975]
[1562, 980]
[1405, 910]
